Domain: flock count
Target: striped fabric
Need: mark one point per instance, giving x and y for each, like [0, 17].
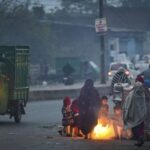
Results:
[119, 78]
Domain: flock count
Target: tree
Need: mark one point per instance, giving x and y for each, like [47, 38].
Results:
[90, 6]
[38, 12]
[20, 27]
[78, 6]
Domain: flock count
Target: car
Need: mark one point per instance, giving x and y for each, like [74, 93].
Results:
[129, 67]
[141, 65]
[146, 58]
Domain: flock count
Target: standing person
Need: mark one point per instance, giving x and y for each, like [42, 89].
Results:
[147, 99]
[120, 77]
[68, 70]
[134, 112]
[88, 107]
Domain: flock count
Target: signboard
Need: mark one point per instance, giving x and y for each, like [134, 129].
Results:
[100, 25]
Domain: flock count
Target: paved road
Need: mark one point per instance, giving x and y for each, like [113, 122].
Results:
[38, 131]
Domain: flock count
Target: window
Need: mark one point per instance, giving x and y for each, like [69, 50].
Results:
[117, 66]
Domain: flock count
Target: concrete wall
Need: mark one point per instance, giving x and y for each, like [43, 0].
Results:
[36, 95]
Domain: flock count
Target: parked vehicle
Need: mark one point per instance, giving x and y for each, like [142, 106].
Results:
[128, 66]
[68, 80]
[14, 85]
[141, 65]
[146, 58]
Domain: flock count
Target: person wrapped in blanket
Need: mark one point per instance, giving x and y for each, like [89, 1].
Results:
[67, 120]
[75, 112]
[135, 110]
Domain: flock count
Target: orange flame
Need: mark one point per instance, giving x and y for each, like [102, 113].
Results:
[103, 132]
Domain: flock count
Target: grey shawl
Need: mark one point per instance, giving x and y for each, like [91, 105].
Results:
[134, 107]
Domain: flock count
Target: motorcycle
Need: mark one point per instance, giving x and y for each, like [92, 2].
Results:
[119, 93]
[68, 80]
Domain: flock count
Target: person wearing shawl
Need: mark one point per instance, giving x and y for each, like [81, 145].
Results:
[75, 126]
[88, 107]
[134, 112]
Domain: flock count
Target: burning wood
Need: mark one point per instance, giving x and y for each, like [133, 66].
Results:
[107, 128]
[103, 131]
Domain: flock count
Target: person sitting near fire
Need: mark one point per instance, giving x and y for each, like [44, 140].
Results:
[67, 120]
[88, 107]
[75, 112]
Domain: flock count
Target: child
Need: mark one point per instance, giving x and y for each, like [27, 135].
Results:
[118, 122]
[67, 119]
[104, 110]
[75, 110]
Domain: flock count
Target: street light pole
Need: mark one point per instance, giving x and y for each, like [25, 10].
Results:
[102, 47]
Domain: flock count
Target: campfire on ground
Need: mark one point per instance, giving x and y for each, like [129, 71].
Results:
[104, 130]
[110, 127]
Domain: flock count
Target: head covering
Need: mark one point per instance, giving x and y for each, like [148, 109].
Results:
[67, 101]
[140, 79]
[88, 83]
[121, 70]
[74, 106]
[138, 84]
[104, 97]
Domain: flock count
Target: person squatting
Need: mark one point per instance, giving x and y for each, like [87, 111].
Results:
[70, 120]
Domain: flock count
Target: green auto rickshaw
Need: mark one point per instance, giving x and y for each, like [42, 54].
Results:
[14, 85]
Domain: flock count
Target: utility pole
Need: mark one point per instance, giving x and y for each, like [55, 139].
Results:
[102, 47]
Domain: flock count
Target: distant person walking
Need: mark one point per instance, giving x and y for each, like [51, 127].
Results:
[88, 107]
[134, 112]
[67, 69]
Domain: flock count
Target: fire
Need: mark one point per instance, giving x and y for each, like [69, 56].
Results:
[103, 132]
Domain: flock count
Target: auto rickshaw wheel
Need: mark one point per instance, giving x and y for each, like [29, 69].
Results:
[17, 114]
